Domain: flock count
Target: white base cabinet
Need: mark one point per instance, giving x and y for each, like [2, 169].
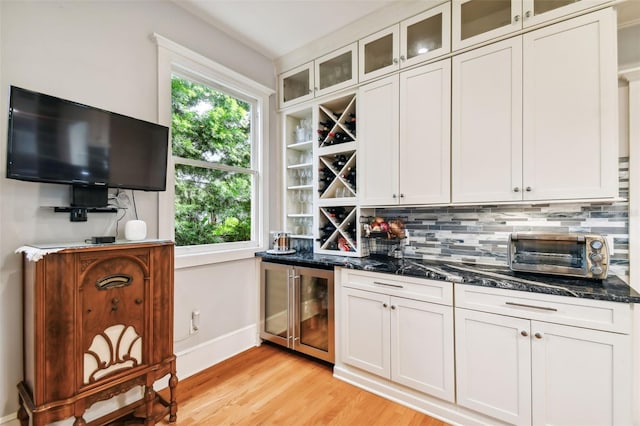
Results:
[528, 371]
[407, 341]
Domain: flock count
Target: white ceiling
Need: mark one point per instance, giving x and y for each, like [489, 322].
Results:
[277, 27]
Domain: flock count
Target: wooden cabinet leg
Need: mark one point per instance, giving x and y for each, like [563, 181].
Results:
[80, 421]
[173, 405]
[23, 416]
[149, 398]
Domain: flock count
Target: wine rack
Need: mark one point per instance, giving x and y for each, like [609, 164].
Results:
[299, 175]
[337, 211]
[338, 230]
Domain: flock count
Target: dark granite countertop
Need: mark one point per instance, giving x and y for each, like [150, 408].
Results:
[612, 289]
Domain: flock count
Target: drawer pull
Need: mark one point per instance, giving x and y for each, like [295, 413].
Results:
[522, 305]
[524, 333]
[388, 285]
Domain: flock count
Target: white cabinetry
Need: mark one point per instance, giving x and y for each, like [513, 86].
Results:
[475, 21]
[527, 359]
[417, 39]
[405, 130]
[391, 328]
[334, 71]
[534, 117]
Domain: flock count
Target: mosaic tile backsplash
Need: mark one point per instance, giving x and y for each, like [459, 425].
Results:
[479, 234]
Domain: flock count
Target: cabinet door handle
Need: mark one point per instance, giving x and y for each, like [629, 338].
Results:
[394, 196]
[516, 18]
[402, 58]
[528, 189]
[393, 307]
[138, 301]
[384, 305]
[388, 285]
[522, 305]
[524, 333]
[395, 60]
[516, 189]
[527, 14]
[538, 336]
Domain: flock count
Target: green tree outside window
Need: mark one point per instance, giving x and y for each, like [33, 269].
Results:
[211, 145]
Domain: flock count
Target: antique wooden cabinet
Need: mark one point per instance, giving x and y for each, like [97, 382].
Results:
[98, 321]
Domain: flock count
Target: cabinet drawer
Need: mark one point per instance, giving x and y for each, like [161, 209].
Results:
[409, 287]
[594, 314]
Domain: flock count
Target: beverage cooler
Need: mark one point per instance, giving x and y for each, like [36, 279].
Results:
[297, 310]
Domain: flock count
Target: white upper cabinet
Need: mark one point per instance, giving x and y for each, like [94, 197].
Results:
[486, 138]
[475, 21]
[414, 40]
[337, 70]
[296, 85]
[570, 143]
[334, 71]
[534, 116]
[404, 131]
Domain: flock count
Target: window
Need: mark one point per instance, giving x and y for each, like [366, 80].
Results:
[214, 181]
[213, 206]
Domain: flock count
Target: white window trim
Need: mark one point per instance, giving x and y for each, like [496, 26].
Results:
[175, 58]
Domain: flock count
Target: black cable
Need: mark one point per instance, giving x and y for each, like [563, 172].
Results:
[135, 208]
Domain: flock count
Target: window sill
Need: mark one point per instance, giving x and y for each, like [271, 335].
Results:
[193, 259]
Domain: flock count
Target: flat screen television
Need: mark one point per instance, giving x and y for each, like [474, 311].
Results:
[59, 141]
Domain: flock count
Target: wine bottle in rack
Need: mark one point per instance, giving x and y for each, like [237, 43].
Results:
[328, 124]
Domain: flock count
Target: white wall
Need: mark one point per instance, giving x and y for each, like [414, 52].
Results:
[99, 53]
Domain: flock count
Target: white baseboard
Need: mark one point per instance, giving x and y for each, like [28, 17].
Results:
[207, 354]
[434, 407]
[10, 420]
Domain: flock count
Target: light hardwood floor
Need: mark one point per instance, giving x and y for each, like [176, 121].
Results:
[268, 385]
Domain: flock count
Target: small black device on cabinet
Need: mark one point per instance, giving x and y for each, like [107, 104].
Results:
[103, 240]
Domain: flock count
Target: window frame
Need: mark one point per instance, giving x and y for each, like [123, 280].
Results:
[174, 59]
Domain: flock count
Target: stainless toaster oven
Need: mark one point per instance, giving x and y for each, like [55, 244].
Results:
[575, 255]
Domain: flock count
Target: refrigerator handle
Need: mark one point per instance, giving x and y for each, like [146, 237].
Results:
[294, 309]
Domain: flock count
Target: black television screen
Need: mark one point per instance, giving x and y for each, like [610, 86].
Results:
[59, 141]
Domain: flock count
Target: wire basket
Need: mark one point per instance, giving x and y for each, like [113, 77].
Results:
[380, 246]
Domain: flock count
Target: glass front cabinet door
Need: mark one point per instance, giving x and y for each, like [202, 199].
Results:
[296, 85]
[475, 21]
[336, 70]
[425, 36]
[416, 39]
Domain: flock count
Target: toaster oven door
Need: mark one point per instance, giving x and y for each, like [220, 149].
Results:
[552, 256]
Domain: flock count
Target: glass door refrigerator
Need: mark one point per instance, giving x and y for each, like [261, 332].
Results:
[297, 309]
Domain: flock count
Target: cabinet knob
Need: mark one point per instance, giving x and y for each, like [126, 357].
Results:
[528, 189]
[538, 336]
[401, 195]
[527, 14]
[402, 58]
[395, 60]
[516, 18]
[384, 305]
[524, 333]
[393, 307]
[516, 189]
[138, 301]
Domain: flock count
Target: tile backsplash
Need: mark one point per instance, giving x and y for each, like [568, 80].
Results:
[479, 234]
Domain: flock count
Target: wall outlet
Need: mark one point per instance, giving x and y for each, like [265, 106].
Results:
[195, 322]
